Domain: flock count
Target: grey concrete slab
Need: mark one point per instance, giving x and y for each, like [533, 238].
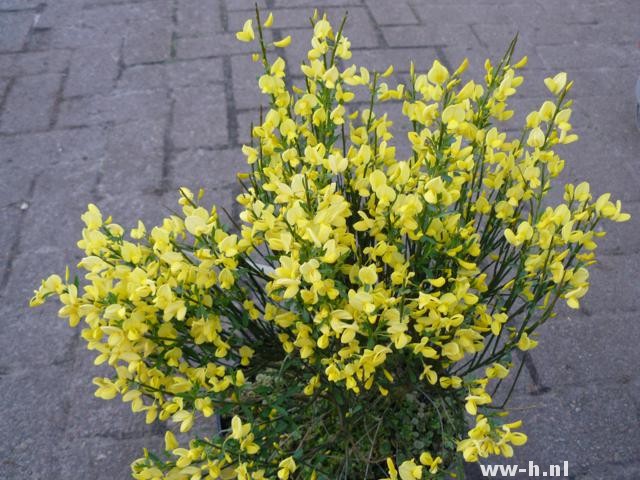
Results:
[112, 457]
[199, 117]
[34, 63]
[119, 106]
[197, 17]
[93, 70]
[14, 28]
[172, 74]
[198, 168]
[35, 422]
[400, 14]
[133, 157]
[30, 103]
[574, 424]
[211, 46]
[437, 34]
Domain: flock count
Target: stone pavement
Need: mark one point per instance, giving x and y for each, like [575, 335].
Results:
[119, 102]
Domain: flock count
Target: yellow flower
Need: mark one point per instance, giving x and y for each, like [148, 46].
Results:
[525, 343]
[410, 471]
[524, 233]
[438, 74]
[286, 467]
[368, 275]
[246, 34]
[170, 442]
[557, 83]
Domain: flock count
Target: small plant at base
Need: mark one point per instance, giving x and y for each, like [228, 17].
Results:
[365, 304]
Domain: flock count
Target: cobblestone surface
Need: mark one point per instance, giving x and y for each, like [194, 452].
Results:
[119, 102]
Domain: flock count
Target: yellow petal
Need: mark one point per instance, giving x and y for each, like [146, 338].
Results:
[269, 21]
[285, 42]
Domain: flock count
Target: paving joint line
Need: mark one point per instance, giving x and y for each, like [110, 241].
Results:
[481, 42]
[382, 41]
[224, 16]
[121, 66]
[14, 249]
[529, 364]
[443, 57]
[59, 98]
[415, 13]
[167, 146]
[230, 102]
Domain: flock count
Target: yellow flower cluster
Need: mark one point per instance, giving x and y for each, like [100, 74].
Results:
[145, 296]
[355, 281]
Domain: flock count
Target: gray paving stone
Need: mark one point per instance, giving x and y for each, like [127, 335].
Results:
[74, 27]
[103, 458]
[36, 152]
[599, 80]
[197, 17]
[232, 5]
[148, 42]
[56, 203]
[572, 423]
[245, 74]
[622, 238]
[108, 25]
[19, 322]
[208, 169]
[10, 218]
[603, 110]
[34, 63]
[30, 104]
[133, 157]
[13, 5]
[174, 74]
[220, 185]
[574, 13]
[93, 70]
[465, 12]
[110, 419]
[14, 28]
[317, 3]
[359, 28]
[199, 117]
[4, 86]
[613, 287]
[604, 165]
[574, 340]
[60, 15]
[439, 34]
[497, 38]
[212, 46]
[129, 207]
[584, 56]
[244, 120]
[120, 106]
[597, 34]
[400, 14]
[621, 471]
[24, 157]
[379, 59]
[35, 415]
[476, 54]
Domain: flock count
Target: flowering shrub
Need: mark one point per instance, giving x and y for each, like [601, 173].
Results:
[363, 302]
